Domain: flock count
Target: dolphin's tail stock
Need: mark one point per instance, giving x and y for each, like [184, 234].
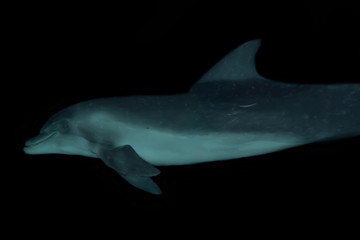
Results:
[346, 109]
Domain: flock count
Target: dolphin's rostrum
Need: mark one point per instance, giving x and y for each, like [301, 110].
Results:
[231, 112]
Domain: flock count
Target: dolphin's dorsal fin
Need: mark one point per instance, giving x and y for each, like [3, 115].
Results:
[238, 65]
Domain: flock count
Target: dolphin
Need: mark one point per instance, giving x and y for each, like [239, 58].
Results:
[231, 112]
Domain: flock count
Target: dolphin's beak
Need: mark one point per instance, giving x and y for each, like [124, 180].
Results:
[37, 140]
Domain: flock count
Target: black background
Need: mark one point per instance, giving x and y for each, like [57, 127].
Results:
[61, 54]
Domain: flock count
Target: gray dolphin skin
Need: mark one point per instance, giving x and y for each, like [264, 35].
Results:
[231, 112]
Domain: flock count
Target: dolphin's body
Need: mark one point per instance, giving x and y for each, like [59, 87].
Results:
[231, 112]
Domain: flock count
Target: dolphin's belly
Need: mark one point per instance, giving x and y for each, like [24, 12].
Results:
[166, 148]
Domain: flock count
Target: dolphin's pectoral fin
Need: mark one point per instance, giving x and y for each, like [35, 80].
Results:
[125, 161]
[143, 183]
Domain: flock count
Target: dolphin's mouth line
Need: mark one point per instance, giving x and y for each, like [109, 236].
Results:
[39, 139]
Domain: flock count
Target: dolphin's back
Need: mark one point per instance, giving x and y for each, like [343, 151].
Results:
[310, 111]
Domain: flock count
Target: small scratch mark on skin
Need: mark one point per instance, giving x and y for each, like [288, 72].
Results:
[242, 106]
[233, 113]
[248, 105]
[233, 120]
